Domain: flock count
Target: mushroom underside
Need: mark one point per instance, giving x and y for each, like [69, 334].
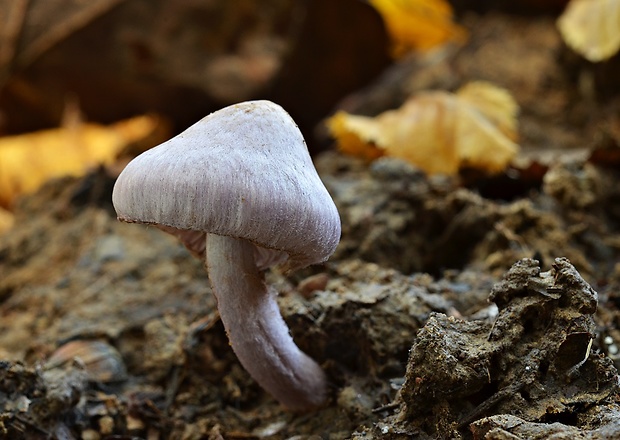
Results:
[196, 242]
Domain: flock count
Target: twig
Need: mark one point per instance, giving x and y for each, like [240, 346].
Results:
[386, 407]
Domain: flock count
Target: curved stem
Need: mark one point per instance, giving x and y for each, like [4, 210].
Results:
[256, 331]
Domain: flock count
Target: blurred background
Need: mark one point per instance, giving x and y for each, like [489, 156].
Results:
[89, 83]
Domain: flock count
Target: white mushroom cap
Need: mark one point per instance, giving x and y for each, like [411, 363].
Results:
[244, 172]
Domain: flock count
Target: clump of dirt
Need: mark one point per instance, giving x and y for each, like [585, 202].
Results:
[534, 361]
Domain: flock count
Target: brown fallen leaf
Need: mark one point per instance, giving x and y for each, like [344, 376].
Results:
[592, 28]
[439, 132]
[28, 160]
[418, 24]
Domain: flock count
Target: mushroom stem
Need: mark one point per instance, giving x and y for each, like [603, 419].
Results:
[256, 330]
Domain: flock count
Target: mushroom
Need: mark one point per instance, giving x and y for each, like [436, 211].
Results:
[239, 189]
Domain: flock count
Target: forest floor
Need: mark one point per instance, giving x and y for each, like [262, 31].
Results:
[470, 307]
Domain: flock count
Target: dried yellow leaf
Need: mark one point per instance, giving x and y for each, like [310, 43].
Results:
[418, 24]
[28, 160]
[592, 28]
[495, 103]
[439, 132]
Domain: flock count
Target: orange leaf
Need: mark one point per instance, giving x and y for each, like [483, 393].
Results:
[354, 135]
[28, 160]
[418, 24]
